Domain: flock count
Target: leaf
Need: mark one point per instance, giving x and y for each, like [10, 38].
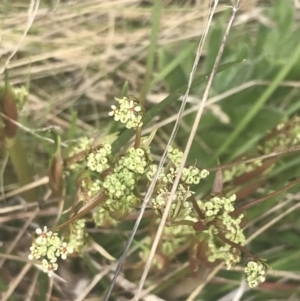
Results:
[71, 133]
[265, 119]
[93, 203]
[171, 66]
[284, 15]
[43, 286]
[56, 182]
[125, 89]
[8, 107]
[214, 41]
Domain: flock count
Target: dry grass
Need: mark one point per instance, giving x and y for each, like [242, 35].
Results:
[82, 45]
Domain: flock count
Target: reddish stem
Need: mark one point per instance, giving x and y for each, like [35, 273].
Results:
[197, 208]
[235, 245]
[240, 210]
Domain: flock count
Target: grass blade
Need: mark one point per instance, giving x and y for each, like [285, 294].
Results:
[259, 103]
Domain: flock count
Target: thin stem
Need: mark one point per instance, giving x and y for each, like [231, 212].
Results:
[93, 203]
[237, 246]
[138, 134]
[240, 210]
[197, 208]
[184, 222]
[190, 139]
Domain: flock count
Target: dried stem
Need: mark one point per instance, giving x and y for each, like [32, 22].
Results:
[189, 143]
[93, 203]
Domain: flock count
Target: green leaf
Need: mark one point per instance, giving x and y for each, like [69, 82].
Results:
[290, 261]
[170, 64]
[125, 89]
[214, 41]
[284, 16]
[56, 178]
[71, 133]
[264, 120]
[43, 286]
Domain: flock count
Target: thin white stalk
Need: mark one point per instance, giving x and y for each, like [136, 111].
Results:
[190, 140]
[163, 158]
[189, 143]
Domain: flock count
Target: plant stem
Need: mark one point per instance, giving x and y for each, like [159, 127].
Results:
[237, 246]
[197, 208]
[93, 203]
[240, 210]
[184, 223]
[138, 134]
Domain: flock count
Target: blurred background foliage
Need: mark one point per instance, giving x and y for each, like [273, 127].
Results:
[78, 55]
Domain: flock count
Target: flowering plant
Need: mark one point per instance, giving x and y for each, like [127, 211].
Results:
[119, 183]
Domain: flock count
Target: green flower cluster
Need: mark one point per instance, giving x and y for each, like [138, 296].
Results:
[94, 187]
[82, 145]
[88, 187]
[218, 210]
[48, 247]
[21, 95]
[256, 272]
[240, 169]
[136, 160]
[152, 169]
[175, 155]
[121, 182]
[129, 112]
[120, 185]
[190, 175]
[102, 218]
[285, 135]
[98, 160]
[78, 236]
[181, 207]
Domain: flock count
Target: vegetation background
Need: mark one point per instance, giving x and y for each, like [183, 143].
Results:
[78, 55]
